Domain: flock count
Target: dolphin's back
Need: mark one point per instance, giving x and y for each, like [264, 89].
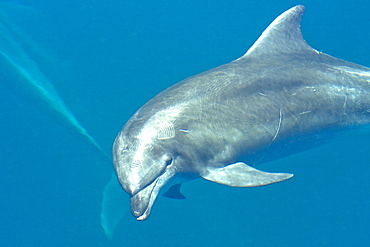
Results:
[240, 92]
[271, 93]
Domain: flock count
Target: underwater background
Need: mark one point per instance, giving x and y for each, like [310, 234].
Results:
[106, 59]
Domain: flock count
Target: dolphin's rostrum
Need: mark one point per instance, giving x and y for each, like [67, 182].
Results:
[217, 124]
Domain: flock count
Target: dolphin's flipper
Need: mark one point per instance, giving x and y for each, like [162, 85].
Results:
[242, 175]
[174, 192]
[114, 206]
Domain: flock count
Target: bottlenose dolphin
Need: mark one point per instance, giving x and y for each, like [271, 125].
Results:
[18, 67]
[217, 124]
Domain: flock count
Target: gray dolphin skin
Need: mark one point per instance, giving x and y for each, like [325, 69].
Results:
[218, 124]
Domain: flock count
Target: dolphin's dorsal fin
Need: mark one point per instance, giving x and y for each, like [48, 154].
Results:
[283, 35]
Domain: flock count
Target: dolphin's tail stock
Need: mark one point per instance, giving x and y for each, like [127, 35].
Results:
[22, 73]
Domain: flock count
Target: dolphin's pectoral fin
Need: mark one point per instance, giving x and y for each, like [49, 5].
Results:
[174, 192]
[242, 175]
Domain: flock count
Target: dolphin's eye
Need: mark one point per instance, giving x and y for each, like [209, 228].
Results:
[169, 162]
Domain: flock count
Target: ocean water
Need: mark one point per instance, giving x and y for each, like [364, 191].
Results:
[106, 59]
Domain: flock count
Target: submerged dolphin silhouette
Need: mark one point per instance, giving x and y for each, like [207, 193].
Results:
[18, 67]
[280, 93]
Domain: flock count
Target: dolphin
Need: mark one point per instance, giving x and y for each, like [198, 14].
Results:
[219, 124]
[18, 68]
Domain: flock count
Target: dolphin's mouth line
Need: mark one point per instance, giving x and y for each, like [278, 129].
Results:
[163, 171]
[150, 200]
[153, 192]
[143, 216]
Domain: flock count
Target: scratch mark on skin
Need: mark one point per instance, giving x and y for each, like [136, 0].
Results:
[344, 108]
[275, 136]
[305, 112]
[185, 130]
[260, 93]
[278, 129]
[344, 105]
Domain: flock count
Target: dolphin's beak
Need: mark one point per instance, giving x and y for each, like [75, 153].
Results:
[142, 201]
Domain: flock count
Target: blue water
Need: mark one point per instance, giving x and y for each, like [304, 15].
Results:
[106, 59]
